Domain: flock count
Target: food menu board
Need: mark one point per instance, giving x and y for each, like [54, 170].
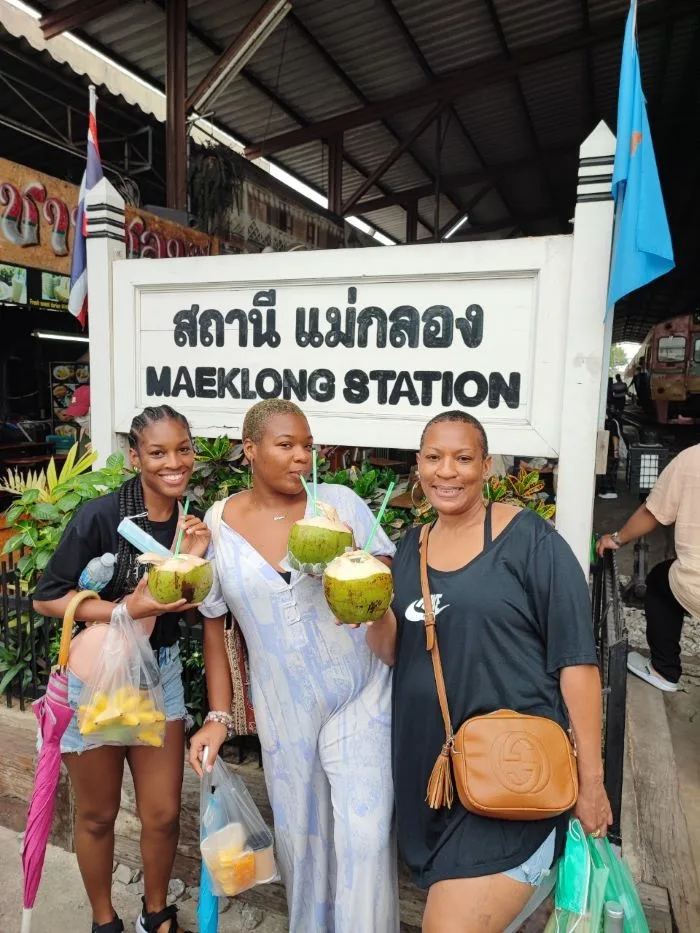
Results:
[64, 380]
[46, 291]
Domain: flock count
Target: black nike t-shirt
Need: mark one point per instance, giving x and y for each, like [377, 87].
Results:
[91, 533]
[507, 623]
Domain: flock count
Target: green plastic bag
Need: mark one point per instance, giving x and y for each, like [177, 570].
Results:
[621, 887]
[574, 876]
[581, 885]
[598, 885]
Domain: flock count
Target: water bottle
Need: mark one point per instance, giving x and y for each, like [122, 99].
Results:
[614, 918]
[98, 573]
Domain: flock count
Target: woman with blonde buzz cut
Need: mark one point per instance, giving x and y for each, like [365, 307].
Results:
[322, 699]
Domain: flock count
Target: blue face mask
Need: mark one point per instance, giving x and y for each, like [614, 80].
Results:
[573, 882]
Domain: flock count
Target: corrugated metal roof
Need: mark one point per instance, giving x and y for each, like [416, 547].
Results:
[332, 57]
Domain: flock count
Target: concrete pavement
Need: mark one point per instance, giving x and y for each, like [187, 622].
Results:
[62, 906]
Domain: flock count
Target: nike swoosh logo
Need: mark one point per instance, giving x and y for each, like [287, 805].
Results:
[415, 612]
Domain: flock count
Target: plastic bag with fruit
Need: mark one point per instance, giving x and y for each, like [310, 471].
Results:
[236, 845]
[122, 701]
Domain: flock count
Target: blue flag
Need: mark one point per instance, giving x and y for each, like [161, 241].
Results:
[642, 249]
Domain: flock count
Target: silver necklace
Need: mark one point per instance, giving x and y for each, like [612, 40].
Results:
[278, 518]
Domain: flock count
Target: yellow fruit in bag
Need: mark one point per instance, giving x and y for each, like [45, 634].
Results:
[99, 704]
[147, 717]
[150, 737]
[131, 704]
[109, 716]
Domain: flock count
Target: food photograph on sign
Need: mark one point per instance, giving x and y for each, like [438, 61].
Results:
[55, 288]
[13, 284]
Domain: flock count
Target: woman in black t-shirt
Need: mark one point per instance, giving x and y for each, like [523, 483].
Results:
[161, 450]
[515, 632]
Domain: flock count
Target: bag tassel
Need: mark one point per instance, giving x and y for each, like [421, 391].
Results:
[440, 786]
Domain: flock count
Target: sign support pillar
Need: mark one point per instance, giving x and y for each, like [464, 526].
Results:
[105, 244]
[585, 341]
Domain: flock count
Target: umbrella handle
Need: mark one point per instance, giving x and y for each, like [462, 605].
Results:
[26, 920]
[68, 620]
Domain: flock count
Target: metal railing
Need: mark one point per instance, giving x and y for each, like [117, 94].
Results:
[611, 641]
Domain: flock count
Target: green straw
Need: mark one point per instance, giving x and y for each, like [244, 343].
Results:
[178, 543]
[315, 469]
[380, 513]
[309, 496]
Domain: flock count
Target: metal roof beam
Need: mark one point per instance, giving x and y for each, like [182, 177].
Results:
[240, 50]
[481, 193]
[76, 15]
[393, 156]
[472, 77]
[525, 110]
[504, 223]
[276, 99]
[489, 173]
[352, 86]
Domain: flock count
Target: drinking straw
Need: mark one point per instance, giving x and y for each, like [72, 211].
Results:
[315, 469]
[308, 493]
[380, 513]
[178, 543]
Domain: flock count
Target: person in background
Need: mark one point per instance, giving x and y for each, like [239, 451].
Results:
[672, 586]
[514, 625]
[619, 393]
[162, 454]
[79, 408]
[642, 388]
[608, 482]
[78, 411]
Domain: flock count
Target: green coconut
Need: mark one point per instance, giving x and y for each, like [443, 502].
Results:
[317, 541]
[358, 587]
[178, 577]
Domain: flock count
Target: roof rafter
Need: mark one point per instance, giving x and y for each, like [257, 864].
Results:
[525, 110]
[472, 77]
[204, 39]
[352, 86]
[75, 15]
[430, 74]
[492, 173]
[393, 156]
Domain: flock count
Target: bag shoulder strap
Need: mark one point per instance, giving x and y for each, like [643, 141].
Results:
[431, 642]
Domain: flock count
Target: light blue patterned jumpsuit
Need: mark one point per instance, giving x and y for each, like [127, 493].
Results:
[323, 710]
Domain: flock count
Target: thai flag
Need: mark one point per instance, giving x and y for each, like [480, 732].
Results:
[78, 298]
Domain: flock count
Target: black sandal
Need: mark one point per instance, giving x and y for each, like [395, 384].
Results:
[150, 923]
[114, 926]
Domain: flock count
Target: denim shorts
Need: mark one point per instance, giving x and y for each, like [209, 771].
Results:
[537, 867]
[173, 692]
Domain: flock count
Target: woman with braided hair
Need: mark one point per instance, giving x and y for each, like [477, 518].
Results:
[161, 451]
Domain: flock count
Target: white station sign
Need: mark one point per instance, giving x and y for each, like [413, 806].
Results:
[370, 343]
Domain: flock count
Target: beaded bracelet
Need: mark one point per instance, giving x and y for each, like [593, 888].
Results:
[224, 719]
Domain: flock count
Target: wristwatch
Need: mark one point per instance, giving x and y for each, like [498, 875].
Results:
[616, 538]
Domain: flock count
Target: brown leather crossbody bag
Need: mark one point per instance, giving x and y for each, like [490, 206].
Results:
[506, 765]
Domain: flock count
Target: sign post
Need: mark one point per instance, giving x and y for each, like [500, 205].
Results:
[372, 343]
[586, 350]
[105, 245]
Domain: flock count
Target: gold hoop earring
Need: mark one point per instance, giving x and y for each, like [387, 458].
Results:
[417, 506]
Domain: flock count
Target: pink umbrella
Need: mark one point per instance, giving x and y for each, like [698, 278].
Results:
[53, 713]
